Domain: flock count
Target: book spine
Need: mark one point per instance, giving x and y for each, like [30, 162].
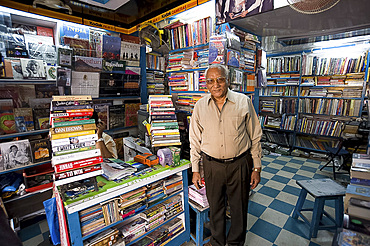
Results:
[71, 114]
[78, 177]
[73, 123]
[78, 142]
[75, 128]
[77, 164]
[69, 174]
[71, 134]
[72, 98]
[75, 150]
[75, 156]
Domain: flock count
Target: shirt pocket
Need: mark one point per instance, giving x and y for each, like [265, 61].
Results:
[234, 124]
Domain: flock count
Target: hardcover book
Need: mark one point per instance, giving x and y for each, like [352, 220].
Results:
[80, 47]
[233, 58]
[16, 45]
[16, 69]
[51, 72]
[7, 121]
[111, 47]
[24, 119]
[32, 68]
[116, 116]
[85, 83]
[114, 65]
[217, 46]
[103, 113]
[75, 31]
[45, 31]
[111, 85]
[64, 76]
[40, 150]
[44, 52]
[65, 56]
[130, 51]
[16, 153]
[87, 64]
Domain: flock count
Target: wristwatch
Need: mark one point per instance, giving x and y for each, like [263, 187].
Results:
[256, 170]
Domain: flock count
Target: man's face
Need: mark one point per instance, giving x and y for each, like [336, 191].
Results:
[216, 83]
[34, 67]
[14, 149]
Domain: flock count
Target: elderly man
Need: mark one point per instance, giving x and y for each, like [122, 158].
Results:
[225, 133]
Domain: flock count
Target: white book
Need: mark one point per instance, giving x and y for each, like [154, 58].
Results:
[75, 156]
[78, 177]
[74, 140]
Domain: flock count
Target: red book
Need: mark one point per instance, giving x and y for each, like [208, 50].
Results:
[68, 174]
[77, 164]
[45, 31]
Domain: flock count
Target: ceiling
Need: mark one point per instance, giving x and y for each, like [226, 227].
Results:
[286, 23]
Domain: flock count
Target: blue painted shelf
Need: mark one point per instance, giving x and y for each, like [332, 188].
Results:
[24, 167]
[280, 96]
[354, 98]
[282, 78]
[28, 81]
[280, 85]
[23, 134]
[187, 70]
[120, 97]
[189, 48]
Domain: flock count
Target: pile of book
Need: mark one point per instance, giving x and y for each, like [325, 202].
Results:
[132, 228]
[76, 160]
[180, 60]
[155, 62]
[91, 219]
[178, 81]
[172, 184]
[155, 82]
[186, 102]
[110, 211]
[164, 131]
[107, 237]
[198, 196]
[355, 79]
[116, 169]
[357, 202]
[173, 206]
[247, 60]
[155, 192]
[283, 64]
[201, 58]
[132, 202]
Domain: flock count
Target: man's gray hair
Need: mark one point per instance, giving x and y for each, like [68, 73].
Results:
[223, 69]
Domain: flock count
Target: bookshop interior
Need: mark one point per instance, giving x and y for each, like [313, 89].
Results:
[98, 145]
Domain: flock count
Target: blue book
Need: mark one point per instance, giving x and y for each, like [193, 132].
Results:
[357, 181]
[74, 31]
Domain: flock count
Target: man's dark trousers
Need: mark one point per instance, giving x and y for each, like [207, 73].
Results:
[231, 180]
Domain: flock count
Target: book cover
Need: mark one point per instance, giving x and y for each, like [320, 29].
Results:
[130, 51]
[16, 69]
[75, 31]
[65, 142]
[85, 83]
[7, 121]
[111, 47]
[72, 134]
[24, 119]
[16, 153]
[116, 116]
[44, 52]
[80, 47]
[73, 104]
[65, 56]
[16, 46]
[103, 113]
[114, 65]
[96, 43]
[45, 31]
[111, 84]
[87, 64]
[78, 164]
[233, 58]
[75, 156]
[32, 68]
[131, 116]
[217, 46]
[76, 172]
[46, 91]
[74, 128]
[51, 72]
[40, 150]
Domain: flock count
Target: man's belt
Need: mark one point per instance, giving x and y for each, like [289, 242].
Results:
[230, 160]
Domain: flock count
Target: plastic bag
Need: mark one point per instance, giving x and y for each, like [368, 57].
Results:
[52, 218]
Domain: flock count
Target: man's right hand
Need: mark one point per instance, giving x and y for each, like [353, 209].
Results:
[197, 180]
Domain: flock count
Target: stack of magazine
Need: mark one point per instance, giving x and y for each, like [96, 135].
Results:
[76, 160]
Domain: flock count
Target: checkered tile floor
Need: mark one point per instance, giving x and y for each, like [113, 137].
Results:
[270, 208]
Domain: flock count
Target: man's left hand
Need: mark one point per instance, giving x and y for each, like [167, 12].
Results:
[255, 179]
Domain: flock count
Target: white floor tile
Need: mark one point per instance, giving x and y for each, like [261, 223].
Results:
[305, 173]
[286, 238]
[274, 217]
[261, 199]
[274, 184]
[288, 198]
[255, 240]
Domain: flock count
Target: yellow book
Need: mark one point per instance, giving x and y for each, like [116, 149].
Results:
[71, 98]
[71, 134]
[65, 129]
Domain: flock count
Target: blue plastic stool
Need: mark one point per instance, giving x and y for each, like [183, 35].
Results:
[202, 217]
[321, 190]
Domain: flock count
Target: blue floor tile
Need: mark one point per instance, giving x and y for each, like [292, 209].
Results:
[270, 170]
[313, 244]
[308, 203]
[266, 230]
[292, 190]
[29, 232]
[272, 156]
[300, 177]
[271, 192]
[263, 180]
[255, 209]
[330, 203]
[280, 179]
[265, 163]
[313, 161]
[297, 227]
[319, 176]
[45, 235]
[279, 162]
[296, 161]
[289, 169]
[281, 206]
[309, 169]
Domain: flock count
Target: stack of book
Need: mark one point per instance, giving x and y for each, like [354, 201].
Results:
[337, 79]
[186, 102]
[247, 60]
[357, 201]
[73, 139]
[201, 58]
[155, 82]
[200, 79]
[162, 115]
[355, 79]
[323, 80]
[155, 62]
[179, 61]
[91, 220]
[132, 228]
[155, 192]
[110, 211]
[198, 196]
[173, 206]
[154, 216]
[132, 202]
[178, 81]
[107, 237]
[172, 184]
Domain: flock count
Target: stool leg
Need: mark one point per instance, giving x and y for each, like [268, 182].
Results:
[339, 210]
[298, 207]
[199, 232]
[316, 215]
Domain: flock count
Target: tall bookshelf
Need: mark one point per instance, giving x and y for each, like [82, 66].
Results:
[311, 95]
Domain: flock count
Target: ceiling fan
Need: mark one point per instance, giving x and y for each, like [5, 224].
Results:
[312, 6]
[55, 4]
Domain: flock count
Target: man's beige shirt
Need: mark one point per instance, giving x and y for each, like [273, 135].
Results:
[225, 134]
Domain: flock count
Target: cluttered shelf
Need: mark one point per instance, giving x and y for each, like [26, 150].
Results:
[27, 81]
[189, 48]
[22, 134]
[27, 195]
[23, 167]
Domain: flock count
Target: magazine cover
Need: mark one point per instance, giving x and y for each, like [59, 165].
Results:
[64, 76]
[24, 119]
[32, 69]
[7, 122]
[217, 46]
[16, 69]
[16, 45]
[96, 43]
[103, 113]
[64, 56]
[16, 153]
[130, 51]
[44, 52]
[233, 58]
[51, 72]
[111, 47]
[40, 150]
